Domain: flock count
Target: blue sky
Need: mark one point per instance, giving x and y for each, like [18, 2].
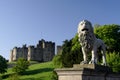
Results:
[28, 21]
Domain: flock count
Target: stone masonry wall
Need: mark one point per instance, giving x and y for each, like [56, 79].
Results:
[43, 51]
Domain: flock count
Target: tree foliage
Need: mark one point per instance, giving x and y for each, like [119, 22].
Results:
[14, 77]
[54, 76]
[3, 64]
[110, 34]
[71, 53]
[113, 61]
[21, 66]
[57, 61]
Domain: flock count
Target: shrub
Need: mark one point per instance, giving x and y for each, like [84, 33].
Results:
[3, 64]
[54, 76]
[71, 53]
[14, 77]
[57, 61]
[113, 60]
[0, 78]
[21, 66]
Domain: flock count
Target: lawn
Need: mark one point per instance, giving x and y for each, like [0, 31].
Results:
[38, 71]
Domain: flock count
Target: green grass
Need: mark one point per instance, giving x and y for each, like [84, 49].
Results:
[39, 71]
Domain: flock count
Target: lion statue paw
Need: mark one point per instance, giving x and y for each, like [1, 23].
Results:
[104, 64]
[84, 62]
[92, 62]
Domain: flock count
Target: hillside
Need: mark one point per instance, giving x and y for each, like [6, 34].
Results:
[39, 71]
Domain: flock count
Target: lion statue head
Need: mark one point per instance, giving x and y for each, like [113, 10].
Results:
[84, 26]
[86, 34]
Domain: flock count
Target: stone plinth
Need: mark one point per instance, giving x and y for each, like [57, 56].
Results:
[95, 67]
[86, 72]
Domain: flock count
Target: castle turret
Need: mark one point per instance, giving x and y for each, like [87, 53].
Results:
[59, 49]
[14, 54]
[30, 53]
[24, 52]
[11, 56]
[48, 51]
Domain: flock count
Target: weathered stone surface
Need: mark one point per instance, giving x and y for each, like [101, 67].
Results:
[90, 44]
[94, 67]
[43, 51]
[86, 72]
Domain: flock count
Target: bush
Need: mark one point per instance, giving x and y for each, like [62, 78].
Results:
[3, 64]
[71, 53]
[113, 60]
[57, 61]
[14, 77]
[54, 76]
[21, 66]
[0, 78]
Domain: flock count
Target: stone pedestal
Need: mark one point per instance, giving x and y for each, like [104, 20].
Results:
[87, 72]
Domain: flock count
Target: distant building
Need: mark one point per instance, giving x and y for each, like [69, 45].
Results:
[43, 51]
[59, 49]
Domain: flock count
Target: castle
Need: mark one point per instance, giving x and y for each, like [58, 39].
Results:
[42, 52]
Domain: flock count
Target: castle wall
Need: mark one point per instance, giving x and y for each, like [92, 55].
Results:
[44, 51]
[38, 54]
[11, 56]
[59, 49]
[24, 52]
[20, 53]
[48, 51]
[14, 54]
[30, 53]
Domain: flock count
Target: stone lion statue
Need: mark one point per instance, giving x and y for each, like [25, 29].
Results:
[90, 44]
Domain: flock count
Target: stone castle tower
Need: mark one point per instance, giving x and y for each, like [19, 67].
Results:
[59, 49]
[42, 52]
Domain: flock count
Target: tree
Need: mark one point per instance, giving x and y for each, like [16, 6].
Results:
[66, 57]
[3, 64]
[21, 66]
[110, 34]
[71, 53]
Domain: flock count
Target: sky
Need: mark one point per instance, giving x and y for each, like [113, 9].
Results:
[28, 21]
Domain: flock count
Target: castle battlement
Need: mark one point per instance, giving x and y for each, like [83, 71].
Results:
[43, 51]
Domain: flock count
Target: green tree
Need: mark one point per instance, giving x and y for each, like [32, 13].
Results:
[71, 53]
[21, 66]
[66, 53]
[110, 34]
[3, 64]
